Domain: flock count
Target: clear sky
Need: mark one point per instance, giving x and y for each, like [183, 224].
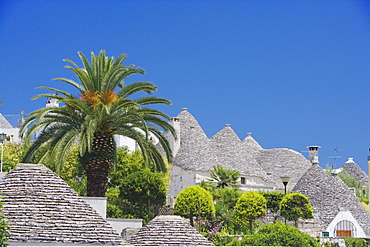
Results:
[294, 73]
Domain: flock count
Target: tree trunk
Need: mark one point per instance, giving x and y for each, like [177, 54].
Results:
[296, 223]
[251, 226]
[97, 165]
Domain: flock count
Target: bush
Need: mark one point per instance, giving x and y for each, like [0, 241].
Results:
[222, 240]
[279, 234]
[4, 229]
[355, 242]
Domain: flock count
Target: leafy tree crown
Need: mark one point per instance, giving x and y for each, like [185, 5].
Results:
[194, 200]
[294, 206]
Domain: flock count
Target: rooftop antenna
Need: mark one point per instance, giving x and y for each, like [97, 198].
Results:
[335, 156]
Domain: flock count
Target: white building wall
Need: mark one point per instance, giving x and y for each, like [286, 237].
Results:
[255, 184]
[345, 215]
[12, 132]
[181, 179]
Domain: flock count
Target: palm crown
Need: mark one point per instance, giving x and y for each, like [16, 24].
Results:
[103, 109]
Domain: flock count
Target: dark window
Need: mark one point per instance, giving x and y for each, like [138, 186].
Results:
[242, 180]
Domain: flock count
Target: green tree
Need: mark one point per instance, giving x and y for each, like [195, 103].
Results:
[103, 109]
[144, 189]
[13, 153]
[249, 207]
[4, 228]
[279, 234]
[225, 200]
[273, 200]
[294, 206]
[350, 181]
[224, 176]
[194, 201]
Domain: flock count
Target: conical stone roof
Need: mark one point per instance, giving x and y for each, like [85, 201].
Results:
[43, 209]
[198, 152]
[251, 142]
[169, 230]
[195, 152]
[328, 196]
[352, 168]
[4, 124]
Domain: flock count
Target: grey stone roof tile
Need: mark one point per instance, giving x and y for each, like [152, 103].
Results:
[281, 162]
[4, 124]
[355, 170]
[329, 195]
[169, 230]
[251, 142]
[42, 208]
[198, 152]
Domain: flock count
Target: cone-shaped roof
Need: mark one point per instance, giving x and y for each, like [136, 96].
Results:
[169, 230]
[251, 142]
[355, 170]
[198, 152]
[4, 124]
[195, 152]
[42, 208]
[283, 162]
[329, 195]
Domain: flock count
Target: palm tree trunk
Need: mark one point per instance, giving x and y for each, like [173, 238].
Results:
[97, 165]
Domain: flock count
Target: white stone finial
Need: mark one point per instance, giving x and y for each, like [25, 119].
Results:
[249, 133]
[227, 125]
[350, 160]
[184, 109]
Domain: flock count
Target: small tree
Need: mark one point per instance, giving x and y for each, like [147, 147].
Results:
[294, 206]
[250, 206]
[273, 200]
[145, 190]
[194, 201]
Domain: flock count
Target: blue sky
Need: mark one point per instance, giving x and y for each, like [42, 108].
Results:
[294, 73]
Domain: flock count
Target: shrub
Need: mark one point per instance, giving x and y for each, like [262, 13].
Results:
[355, 242]
[279, 234]
[4, 229]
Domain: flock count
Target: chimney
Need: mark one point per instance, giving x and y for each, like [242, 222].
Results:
[175, 143]
[51, 102]
[313, 154]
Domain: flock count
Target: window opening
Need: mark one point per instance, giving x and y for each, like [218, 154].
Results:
[345, 228]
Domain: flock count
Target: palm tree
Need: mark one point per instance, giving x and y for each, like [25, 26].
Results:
[103, 109]
[224, 176]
